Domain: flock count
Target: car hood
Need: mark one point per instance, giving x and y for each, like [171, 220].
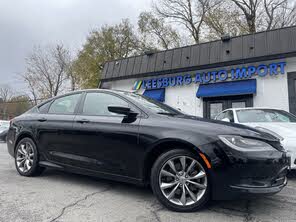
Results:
[214, 127]
[285, 130]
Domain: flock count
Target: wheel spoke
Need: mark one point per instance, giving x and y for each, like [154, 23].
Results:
[172, 165]
[21, 151]
[192, 196]
[20, 158]
[164, 186]
[164, 172]
[200, 186]
[172, 193]
[183, 162]
[27, 164]
[200, 175]
[21, 162]
[183, 196]
[190, 167]
[24, 149]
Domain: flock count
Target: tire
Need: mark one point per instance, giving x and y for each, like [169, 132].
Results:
[26, 158]
[172, 196]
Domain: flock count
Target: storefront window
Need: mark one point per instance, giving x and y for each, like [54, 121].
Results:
[238, 104]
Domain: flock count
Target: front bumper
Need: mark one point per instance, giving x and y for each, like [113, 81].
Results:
[235, 175]
[259, 190]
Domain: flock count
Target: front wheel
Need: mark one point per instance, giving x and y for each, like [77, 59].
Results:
[26, 158]
[180, 181]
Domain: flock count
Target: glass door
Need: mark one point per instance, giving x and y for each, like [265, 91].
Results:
[213, 106]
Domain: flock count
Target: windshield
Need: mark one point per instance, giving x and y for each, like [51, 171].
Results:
[264, 115]
[152, 105]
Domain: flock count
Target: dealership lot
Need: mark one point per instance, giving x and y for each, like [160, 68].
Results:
[58, 196]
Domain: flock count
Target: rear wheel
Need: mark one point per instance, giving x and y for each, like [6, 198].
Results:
[180, 181]
[26, 158]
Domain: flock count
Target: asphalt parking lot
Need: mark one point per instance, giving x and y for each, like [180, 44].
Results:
[58, 196]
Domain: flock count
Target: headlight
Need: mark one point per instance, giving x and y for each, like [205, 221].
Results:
[245, 144]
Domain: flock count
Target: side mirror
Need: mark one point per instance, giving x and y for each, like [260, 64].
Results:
[119, 110]
[226, 120]
[130, 116]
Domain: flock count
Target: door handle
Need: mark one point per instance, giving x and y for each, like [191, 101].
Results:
[82, 121]
[42, 119]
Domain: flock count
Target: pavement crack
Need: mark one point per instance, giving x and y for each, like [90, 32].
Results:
[155, 214]
[155, 209]
[77, 202]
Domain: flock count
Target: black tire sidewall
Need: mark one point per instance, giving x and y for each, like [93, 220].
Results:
[154, 180]
[35, 166]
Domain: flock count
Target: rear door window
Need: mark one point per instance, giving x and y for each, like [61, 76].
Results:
[64, 105]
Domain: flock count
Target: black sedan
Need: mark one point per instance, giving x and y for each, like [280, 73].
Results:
[126, 137]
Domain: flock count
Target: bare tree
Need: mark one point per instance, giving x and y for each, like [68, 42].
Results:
[47, 71]
[225, 19]
[279, 13]
[156, 32]
[6, 94]
[189, 13]
[249, 9]
[31, 83]
[267, 14]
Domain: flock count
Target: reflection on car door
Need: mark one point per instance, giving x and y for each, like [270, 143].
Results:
[55, 128]
[103, 142]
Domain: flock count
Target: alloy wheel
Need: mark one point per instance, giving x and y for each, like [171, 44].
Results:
[25, 157]
[183, 180]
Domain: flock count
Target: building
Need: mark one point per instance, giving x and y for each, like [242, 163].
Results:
[251, 70]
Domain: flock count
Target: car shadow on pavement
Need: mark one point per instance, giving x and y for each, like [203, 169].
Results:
[130, 189]
[90, 181]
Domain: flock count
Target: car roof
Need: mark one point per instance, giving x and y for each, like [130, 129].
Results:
[96, 90]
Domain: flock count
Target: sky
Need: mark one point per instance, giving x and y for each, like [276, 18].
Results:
[28, 23]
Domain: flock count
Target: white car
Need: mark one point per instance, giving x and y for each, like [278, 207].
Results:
[278, 122]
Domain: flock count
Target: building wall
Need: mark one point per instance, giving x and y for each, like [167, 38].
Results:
[272, 91]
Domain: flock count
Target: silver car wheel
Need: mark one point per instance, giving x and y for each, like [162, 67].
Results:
[24, 157]
[183, 180]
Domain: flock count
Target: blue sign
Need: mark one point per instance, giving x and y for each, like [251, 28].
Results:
[213, 76]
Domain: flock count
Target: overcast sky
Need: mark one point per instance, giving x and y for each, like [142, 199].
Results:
[25, 23]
